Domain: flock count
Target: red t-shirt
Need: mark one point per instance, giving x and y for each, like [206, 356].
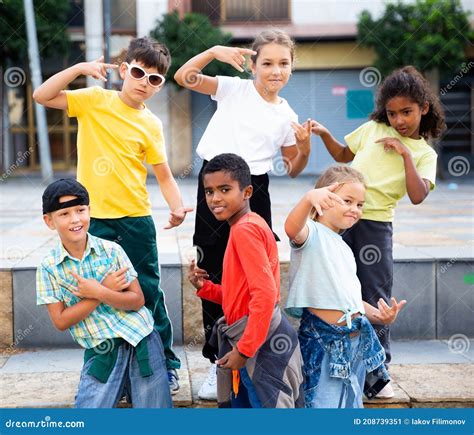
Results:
[250, 280]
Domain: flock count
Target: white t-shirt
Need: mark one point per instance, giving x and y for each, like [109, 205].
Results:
[247, 125]
[323, 274]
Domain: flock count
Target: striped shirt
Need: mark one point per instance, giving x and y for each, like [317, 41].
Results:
[54, 283]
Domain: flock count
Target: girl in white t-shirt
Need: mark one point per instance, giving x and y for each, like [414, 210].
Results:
[338, 342]
[255, 123]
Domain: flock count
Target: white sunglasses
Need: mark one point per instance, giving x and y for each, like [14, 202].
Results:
[137, 73]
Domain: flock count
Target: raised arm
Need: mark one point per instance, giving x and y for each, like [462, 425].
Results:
[339, 152]
[51, 93]
[321, 199]
[190, 76]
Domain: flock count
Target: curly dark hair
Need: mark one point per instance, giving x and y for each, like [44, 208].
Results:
[409, 82]
[234, 165]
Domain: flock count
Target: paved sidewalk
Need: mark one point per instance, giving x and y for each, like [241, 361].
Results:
[425, 374]
[48, 378]
[442, 225]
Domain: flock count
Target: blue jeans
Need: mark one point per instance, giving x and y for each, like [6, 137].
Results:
[337, 392]
[247, 397]
[145, 392]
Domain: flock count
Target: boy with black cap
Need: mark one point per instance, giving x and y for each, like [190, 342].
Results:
[90, 287]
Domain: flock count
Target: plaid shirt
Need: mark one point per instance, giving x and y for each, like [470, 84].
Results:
[54, 283]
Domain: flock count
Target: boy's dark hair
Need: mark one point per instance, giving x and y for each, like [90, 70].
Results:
[408, 82]
[151, 53]
[234, 165]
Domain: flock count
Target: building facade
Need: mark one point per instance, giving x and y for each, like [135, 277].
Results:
[333, 81]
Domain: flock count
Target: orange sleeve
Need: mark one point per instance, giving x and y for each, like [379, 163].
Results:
[261, 286]
[211, 292]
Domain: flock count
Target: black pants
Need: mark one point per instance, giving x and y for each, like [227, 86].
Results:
[211, 236]
[371, 243]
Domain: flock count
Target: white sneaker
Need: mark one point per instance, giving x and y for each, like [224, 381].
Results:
[386, 392]
[208, 390]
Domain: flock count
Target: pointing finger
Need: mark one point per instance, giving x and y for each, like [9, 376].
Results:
[336, 197]
[296, 126]
[236, 66]
[76, 276]
[247, 51]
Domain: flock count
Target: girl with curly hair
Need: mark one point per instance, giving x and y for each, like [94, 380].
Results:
[392, 153]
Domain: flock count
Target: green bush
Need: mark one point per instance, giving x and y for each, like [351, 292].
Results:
[429, 34]
[188, 37]
[51, 29]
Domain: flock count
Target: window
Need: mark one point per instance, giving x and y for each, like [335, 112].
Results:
[238, 11]
[76, 14]
[256, 10]
[123, 16]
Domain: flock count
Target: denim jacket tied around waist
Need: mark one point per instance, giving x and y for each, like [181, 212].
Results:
[316, 337]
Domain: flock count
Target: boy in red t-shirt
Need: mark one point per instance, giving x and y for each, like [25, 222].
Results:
[255, 330]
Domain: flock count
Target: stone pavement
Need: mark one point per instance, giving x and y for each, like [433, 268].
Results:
[425, 374]
[443, 223]
[48, 378]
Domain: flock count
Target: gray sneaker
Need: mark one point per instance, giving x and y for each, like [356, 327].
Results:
[173, 381]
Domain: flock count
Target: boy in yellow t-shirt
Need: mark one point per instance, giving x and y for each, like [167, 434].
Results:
[116, 134]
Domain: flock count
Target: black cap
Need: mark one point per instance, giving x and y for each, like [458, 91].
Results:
[60, 188]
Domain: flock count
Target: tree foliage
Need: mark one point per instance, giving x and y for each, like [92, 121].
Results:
[51, 28]
[188, 37]
[428, 34]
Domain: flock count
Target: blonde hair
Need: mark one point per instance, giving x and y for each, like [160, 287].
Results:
[272, 36]
[337, 174]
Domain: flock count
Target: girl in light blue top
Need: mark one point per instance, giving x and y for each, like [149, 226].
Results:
[338, 343]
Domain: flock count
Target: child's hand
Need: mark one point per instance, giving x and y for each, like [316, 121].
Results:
[177, 217]
[232, 360]
[116, 281]
[393, 144]
[86, 288]
[97, 68]
[317, 128]
[303, 136]
[196, 275]
[386, 314]
[324, 198]
[232, 55]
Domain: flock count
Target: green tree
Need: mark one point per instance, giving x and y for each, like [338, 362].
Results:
[429, 34]
[188, 37]
[51, 28]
